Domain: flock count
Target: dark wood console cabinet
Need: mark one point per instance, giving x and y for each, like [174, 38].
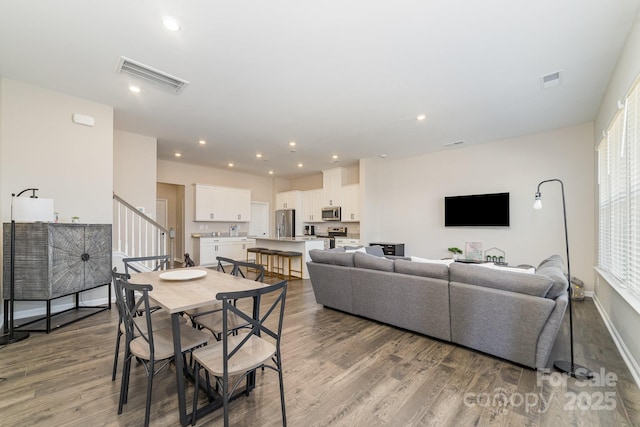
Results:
[54, 261]
[396, 249]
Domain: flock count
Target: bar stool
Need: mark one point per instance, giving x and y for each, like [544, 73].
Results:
[257, 255]
[289, 255]
[272, 265]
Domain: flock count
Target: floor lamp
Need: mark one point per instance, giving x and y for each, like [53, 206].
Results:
[569, 367]
[28, 210]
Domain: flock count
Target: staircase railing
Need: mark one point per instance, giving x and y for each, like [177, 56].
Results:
[137, 235]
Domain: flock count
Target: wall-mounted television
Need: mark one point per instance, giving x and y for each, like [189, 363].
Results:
[477, 210]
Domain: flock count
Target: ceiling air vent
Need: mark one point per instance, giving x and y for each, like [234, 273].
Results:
[151, 75]
[551, 80]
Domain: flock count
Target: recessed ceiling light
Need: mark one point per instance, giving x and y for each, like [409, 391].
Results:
[300, 165]
[202, 142]
[335, 156]
[270, 172]
[383, 156]
[178, 154]
[170, 23]
[259, 156]
[421, 117]
[135, 89]
[292, 144]
[230, 165]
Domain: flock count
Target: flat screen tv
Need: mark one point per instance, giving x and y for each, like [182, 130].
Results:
[477, 210]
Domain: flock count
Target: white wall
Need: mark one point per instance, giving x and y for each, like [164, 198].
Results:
[262, 190]
[403, 199]
[134, 169]
[622, 318]
[41, 147]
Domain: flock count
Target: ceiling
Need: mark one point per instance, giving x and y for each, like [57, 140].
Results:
[345, 78]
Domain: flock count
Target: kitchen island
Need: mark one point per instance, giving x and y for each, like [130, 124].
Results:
[295, 244]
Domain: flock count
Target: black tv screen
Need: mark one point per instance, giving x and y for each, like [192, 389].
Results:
[477, 210]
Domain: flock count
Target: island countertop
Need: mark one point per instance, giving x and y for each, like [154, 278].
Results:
[301, 244]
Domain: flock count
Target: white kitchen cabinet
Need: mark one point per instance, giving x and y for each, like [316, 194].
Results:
[342, 242]
[209, 248]
[289, 200]
[222, 204]
[332, 186]
[312, 206]
[351, 203]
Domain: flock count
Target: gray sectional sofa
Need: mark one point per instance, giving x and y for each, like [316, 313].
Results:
[511, 315]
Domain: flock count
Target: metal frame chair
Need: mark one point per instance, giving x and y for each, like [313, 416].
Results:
[240, 355]
[211, 317]
[144, 343]
[162, 263]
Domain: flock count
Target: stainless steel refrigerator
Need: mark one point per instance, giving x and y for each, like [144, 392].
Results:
[285, 223]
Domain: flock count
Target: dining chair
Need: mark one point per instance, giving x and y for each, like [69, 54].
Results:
[153, 348]
[211, 317]
[239, 355]
[161, 320]
[146, 263]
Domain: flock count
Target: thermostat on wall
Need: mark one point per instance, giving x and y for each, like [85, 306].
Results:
[82, 119]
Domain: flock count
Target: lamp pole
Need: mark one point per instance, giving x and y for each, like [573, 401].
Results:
[569, 367]
[14, 336]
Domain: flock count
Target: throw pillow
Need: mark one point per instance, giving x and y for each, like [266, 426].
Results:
[505, 268]
[359, 249]
[446, 262]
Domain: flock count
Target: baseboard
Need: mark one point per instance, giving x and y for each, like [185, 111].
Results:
[631, 363]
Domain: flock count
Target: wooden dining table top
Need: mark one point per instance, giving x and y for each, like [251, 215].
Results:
[177, 296]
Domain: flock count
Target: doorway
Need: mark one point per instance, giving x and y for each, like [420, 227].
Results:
[259, 225]
[170, 203]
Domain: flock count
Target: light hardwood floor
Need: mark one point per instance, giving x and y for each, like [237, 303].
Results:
[340, 370]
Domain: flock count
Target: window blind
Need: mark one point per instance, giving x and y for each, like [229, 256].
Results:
[619, 194]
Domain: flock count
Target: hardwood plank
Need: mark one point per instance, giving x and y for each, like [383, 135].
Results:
[340, 370]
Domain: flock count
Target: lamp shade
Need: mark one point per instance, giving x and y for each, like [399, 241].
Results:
[28, 209]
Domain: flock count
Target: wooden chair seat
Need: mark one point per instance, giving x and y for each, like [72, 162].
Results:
[250, 356]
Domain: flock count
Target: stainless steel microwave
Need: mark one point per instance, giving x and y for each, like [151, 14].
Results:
[331, 213]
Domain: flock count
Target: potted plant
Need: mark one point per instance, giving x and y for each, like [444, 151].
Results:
[75, 219]
[455, 251]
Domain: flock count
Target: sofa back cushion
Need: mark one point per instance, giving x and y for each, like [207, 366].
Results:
[331, 257]
[553, 267]
[530, 284]
[424, 269]
[372, 262]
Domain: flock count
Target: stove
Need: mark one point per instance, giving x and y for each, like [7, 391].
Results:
[330, 237]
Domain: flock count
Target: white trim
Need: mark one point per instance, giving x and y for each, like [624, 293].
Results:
[625, 293]
[631, 363]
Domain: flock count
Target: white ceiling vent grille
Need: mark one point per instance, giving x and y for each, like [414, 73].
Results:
[551, 80]
[151, 75]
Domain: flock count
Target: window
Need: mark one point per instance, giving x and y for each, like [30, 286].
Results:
[619, 195]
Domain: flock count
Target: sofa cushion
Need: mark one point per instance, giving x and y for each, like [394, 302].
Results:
[553, 267]
[530, 284]
[424, 269]
[331, 257]
[371, 262]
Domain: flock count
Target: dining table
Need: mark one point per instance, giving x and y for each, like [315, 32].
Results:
[185, 289]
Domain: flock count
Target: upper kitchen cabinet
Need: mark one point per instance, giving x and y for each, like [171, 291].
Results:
[312, 204]
[351, 203]
[222, 204]
[289, 200]
[332, 180]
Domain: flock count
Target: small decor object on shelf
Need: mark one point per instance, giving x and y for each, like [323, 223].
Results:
[496, 255]
[455, 252]
[75, 219]
[474, 251]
